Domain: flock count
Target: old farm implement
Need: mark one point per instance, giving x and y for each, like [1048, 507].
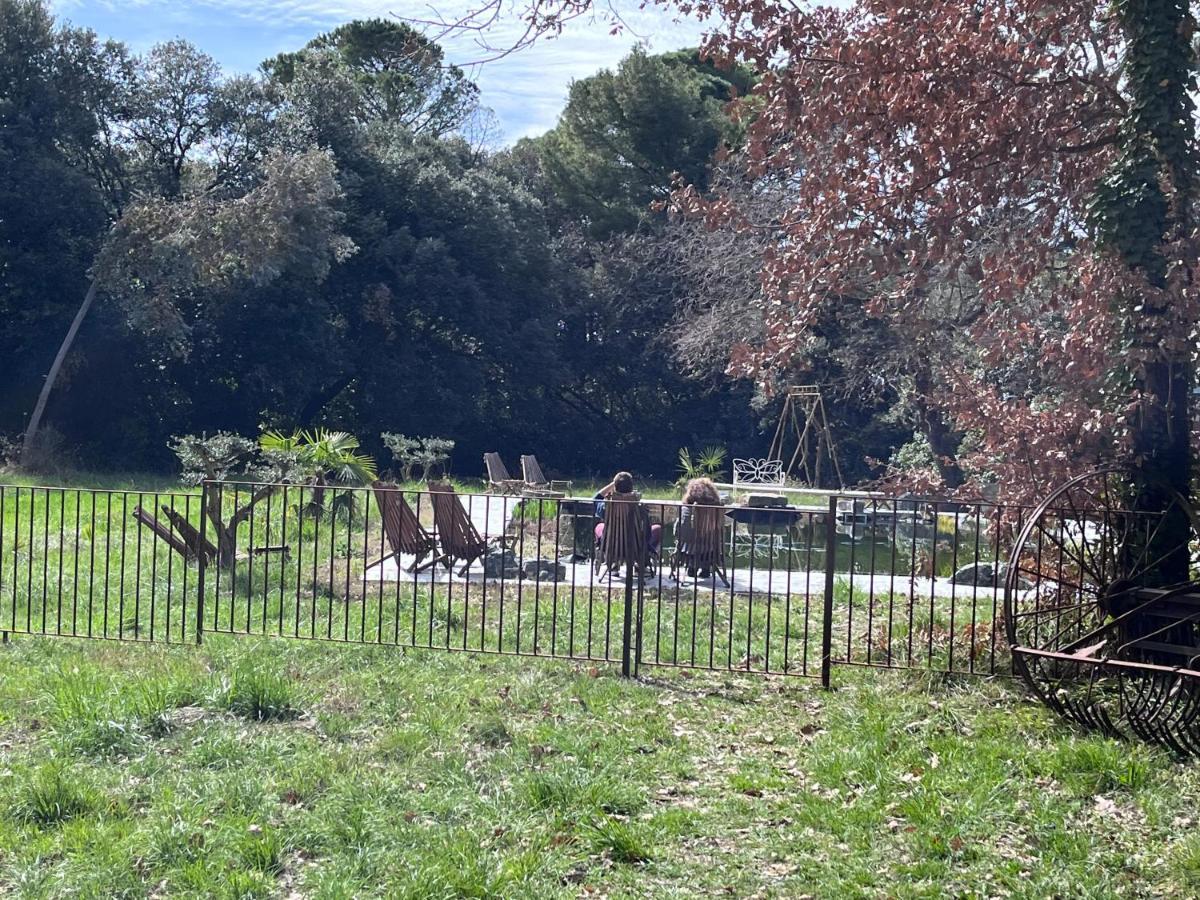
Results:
[1102, 608]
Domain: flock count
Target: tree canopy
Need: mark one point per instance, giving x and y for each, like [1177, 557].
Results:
[625, 135]
[319, 245]
[1031, 165]
[974, 226]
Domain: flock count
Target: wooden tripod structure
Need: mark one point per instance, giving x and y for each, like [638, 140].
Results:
[803, 421]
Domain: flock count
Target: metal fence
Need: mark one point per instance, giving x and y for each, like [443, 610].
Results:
[908, 583]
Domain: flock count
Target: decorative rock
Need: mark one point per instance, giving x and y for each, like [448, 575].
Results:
[544, 570]
[986, 574]
[501, 564]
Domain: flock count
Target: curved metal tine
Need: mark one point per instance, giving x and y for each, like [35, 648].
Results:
[1077, 713]
[1092, 716]
[1050, 692]
[1163, 728]
[1140, 712]
[1072, 707]
[1107, 724]
[1176, 724]
[1188, 725]
[1093, 706]
[1160, 721]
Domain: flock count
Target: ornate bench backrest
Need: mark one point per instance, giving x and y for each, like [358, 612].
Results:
[758, 472]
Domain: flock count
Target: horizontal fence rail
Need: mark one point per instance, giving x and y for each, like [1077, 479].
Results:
[790, 591]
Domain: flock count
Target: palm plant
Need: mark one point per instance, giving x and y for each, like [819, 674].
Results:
[709, 462]
[321, 456]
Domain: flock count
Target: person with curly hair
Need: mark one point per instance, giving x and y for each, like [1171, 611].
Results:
[702, 492]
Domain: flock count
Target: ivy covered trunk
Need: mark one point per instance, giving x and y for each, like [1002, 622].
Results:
[1143, 212]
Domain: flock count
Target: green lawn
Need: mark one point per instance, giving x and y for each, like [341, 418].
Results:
[281, 768]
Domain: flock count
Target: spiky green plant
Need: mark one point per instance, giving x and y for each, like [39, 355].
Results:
[708, 463]
[322, 456]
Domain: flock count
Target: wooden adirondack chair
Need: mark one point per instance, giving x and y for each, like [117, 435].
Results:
[498, 479]
[537, 482]
[402, 529]
[626, 541]
[190, 534]
[187, 543]
[458, 537]
[703, 546]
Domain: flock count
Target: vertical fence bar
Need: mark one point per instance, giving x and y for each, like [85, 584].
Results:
[830, 570]
[627, 625]
[202, 565]
[637, 641]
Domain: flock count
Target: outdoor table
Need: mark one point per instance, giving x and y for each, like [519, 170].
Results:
[771, 520]
[768, 516]
[583, 518]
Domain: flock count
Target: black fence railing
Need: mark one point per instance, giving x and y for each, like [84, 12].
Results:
[790, 591]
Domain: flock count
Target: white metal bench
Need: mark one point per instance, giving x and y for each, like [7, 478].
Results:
[758, 473]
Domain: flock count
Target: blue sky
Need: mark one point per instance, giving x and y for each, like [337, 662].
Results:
[526, 89]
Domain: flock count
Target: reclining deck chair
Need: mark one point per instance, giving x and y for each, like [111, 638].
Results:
[536, 480]
[498, 479]
[187, 543]
[626, 538]
[703, 545]
[458, 538]
[402, 529]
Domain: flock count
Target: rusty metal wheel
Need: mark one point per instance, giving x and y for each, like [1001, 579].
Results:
[1100, 610]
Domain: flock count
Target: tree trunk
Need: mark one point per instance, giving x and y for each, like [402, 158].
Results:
[39, 408]
[1162, 455]
[943, 440]
[1139, 220]
[226, 536]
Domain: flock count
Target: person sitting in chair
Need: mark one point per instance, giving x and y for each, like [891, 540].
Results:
[700, 491]
[621, 488]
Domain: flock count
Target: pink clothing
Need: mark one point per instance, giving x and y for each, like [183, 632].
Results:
[655, 536]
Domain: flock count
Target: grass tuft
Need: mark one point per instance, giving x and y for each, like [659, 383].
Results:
[49, 796]
[622, 842]
[261, 850]
[258, 693]
[1094, 765]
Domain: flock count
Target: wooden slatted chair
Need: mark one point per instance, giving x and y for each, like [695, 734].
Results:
[625, 541]
[498, 479]
[189, 551]
[402, 529]
[190, 534]
[703, 546]
[458, 538]
[537, 482]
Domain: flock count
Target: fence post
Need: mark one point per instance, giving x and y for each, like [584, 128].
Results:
[203, 564]
[637, 641]
[627, 629]
[830, 570]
